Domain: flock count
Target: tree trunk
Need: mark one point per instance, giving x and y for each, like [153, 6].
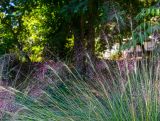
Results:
[87, 42]
[92, 7]
[79, 44]
[79, 54]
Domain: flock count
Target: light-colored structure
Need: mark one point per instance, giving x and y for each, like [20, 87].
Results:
[137, 51]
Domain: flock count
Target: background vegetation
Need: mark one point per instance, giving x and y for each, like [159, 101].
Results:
[67, 29]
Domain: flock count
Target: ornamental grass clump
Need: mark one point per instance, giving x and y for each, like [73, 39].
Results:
[76, 98]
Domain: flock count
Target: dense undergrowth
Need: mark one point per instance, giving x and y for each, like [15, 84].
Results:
[133, 96]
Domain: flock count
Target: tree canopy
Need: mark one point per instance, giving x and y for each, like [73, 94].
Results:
[37, 29]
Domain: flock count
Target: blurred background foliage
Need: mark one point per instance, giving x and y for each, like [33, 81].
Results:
[39, 29]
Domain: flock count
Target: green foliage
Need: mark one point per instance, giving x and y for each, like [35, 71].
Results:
[148, 26]
[100, 46]
[147, 23]
[70, 42]
[47, 25]
[148, 13]
[30, 27]
[74, 8]
[34, 35]
[11, 21]
[6, 40]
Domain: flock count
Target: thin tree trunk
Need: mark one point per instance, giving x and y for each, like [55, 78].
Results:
[79, 54]
[79, 44]
[92, 6]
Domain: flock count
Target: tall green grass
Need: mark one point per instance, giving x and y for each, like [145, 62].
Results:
[79, 99]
